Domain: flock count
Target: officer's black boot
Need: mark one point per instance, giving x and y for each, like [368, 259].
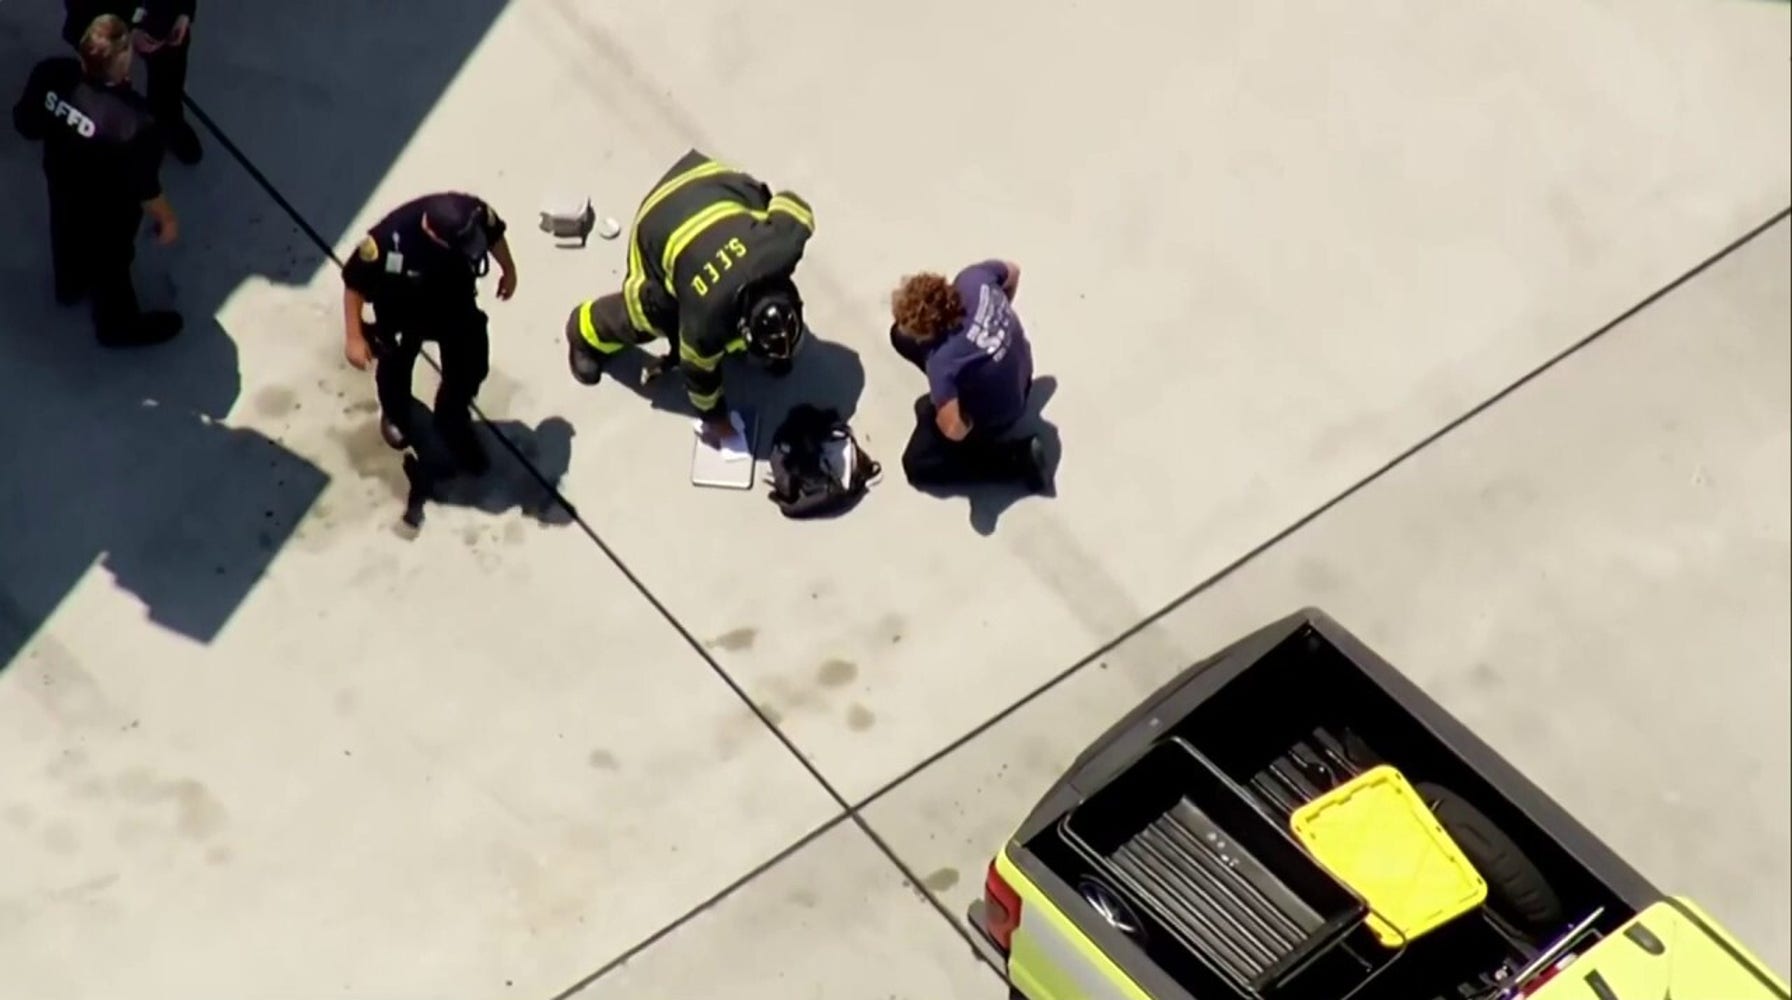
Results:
[157, 326]
[393, 431]
[183, 142]
[70, 290]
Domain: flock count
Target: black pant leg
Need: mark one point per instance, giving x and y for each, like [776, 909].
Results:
[69, 224]
[933, 459]
[392, 372]
[108, 250]
[466, 360]
[167, 71]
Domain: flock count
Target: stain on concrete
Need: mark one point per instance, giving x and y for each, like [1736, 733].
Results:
[734, 640]
[59, 838]
[346, 702]
[370, 459]
[515, 533]
[805, 899]
[219, 856]
[859, 718]
[837, 673]
[1483, 676]
[1316, 579]
[198, 814]
[97, 884]
[471, 537]
[17, 816]
[274, 402]
[602, 760]
[941, 880]
[772, 715]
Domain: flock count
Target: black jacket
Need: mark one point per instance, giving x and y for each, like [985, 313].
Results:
[402, 271]
[98, 140]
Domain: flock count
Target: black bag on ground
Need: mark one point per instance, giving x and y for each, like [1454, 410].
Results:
[818, 468]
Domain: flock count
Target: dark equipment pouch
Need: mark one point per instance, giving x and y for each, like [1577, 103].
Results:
[818, 468]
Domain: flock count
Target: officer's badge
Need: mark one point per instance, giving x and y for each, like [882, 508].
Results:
[369, 250]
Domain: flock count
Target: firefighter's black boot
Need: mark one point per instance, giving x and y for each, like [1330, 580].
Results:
[586, 363]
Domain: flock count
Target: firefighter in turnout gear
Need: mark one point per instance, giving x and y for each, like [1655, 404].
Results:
[710, 265]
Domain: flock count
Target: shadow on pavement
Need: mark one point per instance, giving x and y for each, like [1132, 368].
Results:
[988, 502]
[432, 477]
[125, 459]
[827, 373]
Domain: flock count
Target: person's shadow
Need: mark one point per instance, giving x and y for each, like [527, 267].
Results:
[826, 374]
[527, 464]
[989, 501]
[126, 459]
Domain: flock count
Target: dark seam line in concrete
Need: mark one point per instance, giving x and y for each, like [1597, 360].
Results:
[1317, 512]
[701, 908]
[847, 810]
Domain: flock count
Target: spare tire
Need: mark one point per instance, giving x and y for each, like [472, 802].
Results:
[1516, 888]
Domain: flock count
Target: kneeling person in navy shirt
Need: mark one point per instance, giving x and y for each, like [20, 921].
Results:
[965, 335]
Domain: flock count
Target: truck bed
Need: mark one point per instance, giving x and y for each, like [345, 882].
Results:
[1222, 756]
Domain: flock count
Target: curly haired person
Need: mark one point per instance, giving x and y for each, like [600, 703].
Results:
[965, 335]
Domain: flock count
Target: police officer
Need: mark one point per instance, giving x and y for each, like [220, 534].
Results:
[160, 32]
[418, 268]
[710, 268]
[102, 162]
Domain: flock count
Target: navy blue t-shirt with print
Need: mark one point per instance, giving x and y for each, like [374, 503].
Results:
[986, 363]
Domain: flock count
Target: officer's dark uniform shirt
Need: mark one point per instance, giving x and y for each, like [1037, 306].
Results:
[99, 141]
[398, 266]
[155, 17]
[702, 236]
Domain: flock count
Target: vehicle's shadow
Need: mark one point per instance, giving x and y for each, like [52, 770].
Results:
[988, 502]
[130, 459]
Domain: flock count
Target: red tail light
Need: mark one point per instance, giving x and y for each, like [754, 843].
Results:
[1001, 909]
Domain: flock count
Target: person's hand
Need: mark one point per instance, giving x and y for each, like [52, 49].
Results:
[358, 352]
[167, 229]
[144, 42]
[652, 370]
[506, 285]
[177, 35]
[717, 429]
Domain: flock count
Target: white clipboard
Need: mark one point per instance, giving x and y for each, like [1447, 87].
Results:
[722, 468]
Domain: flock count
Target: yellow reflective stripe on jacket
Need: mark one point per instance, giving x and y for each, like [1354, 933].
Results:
[795, 209]
[688, 354]
[632, 286]
[1051, 959]
[636, 281]
[588, 330]
[705, 401]
[692, 228]
[696, 225]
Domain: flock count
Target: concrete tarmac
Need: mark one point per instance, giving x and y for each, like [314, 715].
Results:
[1468, 326]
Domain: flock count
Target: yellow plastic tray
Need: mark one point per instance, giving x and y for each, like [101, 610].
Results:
[1377, 836]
